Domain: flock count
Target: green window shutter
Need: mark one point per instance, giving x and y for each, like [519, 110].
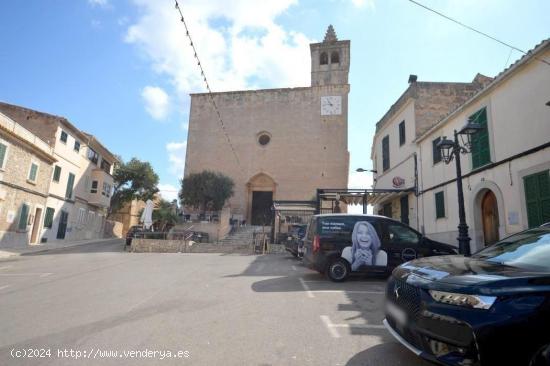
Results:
[481, 152]
[23, 217]
[3, 149]
[70, 186]
[32, 173]
[439, 205]
[544, 189]
[57, 173]
[537, 198]
[385, 153]
[48, 218]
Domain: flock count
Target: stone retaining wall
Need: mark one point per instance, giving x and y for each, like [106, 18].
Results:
[181, 246]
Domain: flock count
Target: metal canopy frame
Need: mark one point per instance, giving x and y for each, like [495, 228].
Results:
[355, 196]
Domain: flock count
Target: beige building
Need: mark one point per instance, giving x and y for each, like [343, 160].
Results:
[129, 215]
[506, 177]
[289, 142]
[25, 172]
[80, 181]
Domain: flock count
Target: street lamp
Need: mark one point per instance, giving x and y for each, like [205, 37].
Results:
[452, 149]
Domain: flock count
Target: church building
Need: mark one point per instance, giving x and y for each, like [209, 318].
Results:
[277, 144]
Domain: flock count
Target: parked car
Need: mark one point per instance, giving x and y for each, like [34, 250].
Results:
[492, 308]
[132, 231]
[295, 235]
[343, 244]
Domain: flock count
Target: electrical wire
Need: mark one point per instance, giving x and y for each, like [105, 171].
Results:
[203, 75]
[477, 31]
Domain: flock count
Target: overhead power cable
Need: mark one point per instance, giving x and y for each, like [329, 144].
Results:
[477, 31]
[210, 95]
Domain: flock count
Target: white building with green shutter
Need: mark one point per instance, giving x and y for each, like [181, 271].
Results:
[25, 170]
[80, 181]
[506, 178]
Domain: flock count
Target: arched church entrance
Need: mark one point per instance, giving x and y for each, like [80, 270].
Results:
[261, 192]
[489, 217]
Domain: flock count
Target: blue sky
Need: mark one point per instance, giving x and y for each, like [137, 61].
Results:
[122, 69]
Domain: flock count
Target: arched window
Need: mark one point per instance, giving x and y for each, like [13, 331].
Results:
[323, 59]
[334, 58]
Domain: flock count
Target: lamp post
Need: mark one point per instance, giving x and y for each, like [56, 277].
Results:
[452, 149]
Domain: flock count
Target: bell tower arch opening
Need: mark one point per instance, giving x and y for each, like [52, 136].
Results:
[330, 60]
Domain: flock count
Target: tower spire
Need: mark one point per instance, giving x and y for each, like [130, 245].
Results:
[330, 35]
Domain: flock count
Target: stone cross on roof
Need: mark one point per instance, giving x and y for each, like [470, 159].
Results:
[330, 36]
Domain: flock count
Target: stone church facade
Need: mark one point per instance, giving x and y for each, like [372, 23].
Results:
[288, 142]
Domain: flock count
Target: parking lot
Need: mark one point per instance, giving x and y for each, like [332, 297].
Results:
[221, 309]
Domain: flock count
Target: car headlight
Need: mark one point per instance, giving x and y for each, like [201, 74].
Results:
[471, 301]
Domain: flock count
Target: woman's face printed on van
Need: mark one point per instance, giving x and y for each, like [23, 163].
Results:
[363, 237]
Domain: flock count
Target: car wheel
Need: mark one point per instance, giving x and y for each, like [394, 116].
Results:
[541, 357]
[338, 270]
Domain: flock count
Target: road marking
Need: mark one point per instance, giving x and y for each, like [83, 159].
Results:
[5, 267]
[3, 287]
[294, 268]
[349, 292]
[362, 326]
[331, 329]
[41, 274]
[306, 288]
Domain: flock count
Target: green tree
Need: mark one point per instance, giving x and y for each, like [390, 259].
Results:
[206, 190]
[135, 179]
[165, 214]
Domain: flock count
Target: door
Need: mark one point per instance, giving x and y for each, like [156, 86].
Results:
[261, 207]
[62, 228]
[36, 225]
[489, 214]
[401, 243]
[405, 209]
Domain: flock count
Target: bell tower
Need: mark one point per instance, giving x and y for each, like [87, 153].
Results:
[330, 60]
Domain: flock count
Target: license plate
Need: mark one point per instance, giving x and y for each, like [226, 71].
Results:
[399, 315]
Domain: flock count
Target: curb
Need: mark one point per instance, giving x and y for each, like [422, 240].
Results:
[16, 254]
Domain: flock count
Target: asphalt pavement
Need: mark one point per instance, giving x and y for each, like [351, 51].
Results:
[96, 304]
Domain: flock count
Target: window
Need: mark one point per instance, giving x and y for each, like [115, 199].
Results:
[70, 186]
[435, 151]
[64, 137]
[77, 146]
[385, 153]
[334, 58]
[264, 139]
[439, 205]
[537, 198]
[401, 133]
[48, 218]
[323, 60]
[23, 217]
[94, 187]
[56, 173]
[93, 156]
[399, 234]
[33, 172]
[481, 154]
[105, 166]
[106, 190]
[387, 209]
[3, 153]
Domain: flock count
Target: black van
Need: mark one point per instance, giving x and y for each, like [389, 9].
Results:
[341, 244]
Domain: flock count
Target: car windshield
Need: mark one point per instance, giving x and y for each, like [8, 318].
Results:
[529, 249]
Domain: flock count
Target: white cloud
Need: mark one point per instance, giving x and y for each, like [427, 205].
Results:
[363, 3]
[168, 191]
[101, 3]
[238, 42]
[176, 157]
[156, 101]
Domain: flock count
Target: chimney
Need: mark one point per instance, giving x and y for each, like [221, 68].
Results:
[412, 78]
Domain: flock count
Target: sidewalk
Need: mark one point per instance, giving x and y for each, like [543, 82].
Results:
[44, 247]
